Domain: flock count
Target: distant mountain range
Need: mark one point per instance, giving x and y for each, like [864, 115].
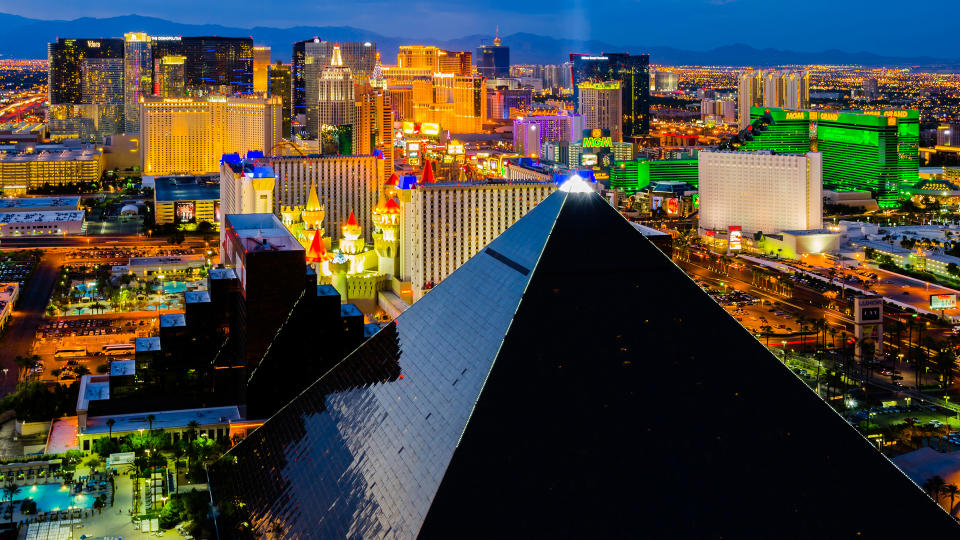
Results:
[27, 38]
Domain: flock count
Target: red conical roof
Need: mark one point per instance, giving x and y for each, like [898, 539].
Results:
[394, 180]
[427, 172]
[352, 220]
[317, 251]
[392, 205]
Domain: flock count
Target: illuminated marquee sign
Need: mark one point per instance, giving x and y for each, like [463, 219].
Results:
[93, 44]
[943, 301]
[888, 114]
[736, 237]
[830, 117]
[597, 142]
[166, 38]
[430, 129]
[796, 115]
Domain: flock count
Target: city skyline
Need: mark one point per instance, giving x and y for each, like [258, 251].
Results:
[705, 24]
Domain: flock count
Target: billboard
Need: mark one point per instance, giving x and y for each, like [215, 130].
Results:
[673, 206]
[216, 211]
[943, 301]
[185, 211]
[736, 237]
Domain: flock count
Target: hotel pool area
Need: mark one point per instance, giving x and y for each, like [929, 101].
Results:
[51, 497]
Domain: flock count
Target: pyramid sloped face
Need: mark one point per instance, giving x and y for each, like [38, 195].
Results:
[625, 403]
[569, 381]
[362, 451]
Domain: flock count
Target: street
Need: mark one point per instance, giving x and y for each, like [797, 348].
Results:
[27, 317]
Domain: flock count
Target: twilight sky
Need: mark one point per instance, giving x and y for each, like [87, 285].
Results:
[881, 26]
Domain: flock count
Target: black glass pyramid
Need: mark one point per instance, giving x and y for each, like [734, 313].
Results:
[569, 381]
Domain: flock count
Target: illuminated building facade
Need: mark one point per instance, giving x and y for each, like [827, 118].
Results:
[137, 78]
[636, 175]
[211, 64]
[96, 64]
[444, 224]
[280, 85]
[65, 65]
[456, 102]
[505, 103]
[343, 183]
[20, 172]
[862, 150]
[189, 135]
[261, 63]
[170, 76]
[311, 58]
[401, 101]
[102, 85]
[373, 126]
[633, 74]
[760, 191]
[493, 61]
[435, 60]
[183, 200]
[335, 95]
[948, 135]
[664, 81]
[600, 106]
[750, 94]
[783, 89]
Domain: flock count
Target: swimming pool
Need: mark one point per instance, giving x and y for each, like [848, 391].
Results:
[172, 287]
[50, 497]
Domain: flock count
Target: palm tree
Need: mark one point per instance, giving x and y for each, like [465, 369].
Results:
[192, 429]
[952, 491]
[767, 329]
[110, 424]
[150, 419]
[933, 486]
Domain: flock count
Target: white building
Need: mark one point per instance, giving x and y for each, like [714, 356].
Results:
[335, 94]
[343, 183]
[246, 188]
[44, 223]
[760, 191]
[443, 225]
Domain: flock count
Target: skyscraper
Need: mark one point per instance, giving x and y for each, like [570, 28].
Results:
[280, 85]
[298, 86]
[211, 64]
[750, 95]
[373, 126]
[785, 89]
[442, 225]
[335, 99]
[869, 150]
[190, 135]
[358, 57]
[493, 61]
[261, 63]
[633, 73]
[102, 85]
[435, 60]
[760, 191]
[870, 88]
[454, 420]
[170, 76]
[138, 76]
[600, 106]
[65, 65]
[96, 64]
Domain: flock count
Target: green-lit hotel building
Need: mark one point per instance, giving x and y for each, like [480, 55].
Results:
[636, 175]
[873, 151]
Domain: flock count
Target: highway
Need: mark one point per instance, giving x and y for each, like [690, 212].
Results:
[105, 241]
